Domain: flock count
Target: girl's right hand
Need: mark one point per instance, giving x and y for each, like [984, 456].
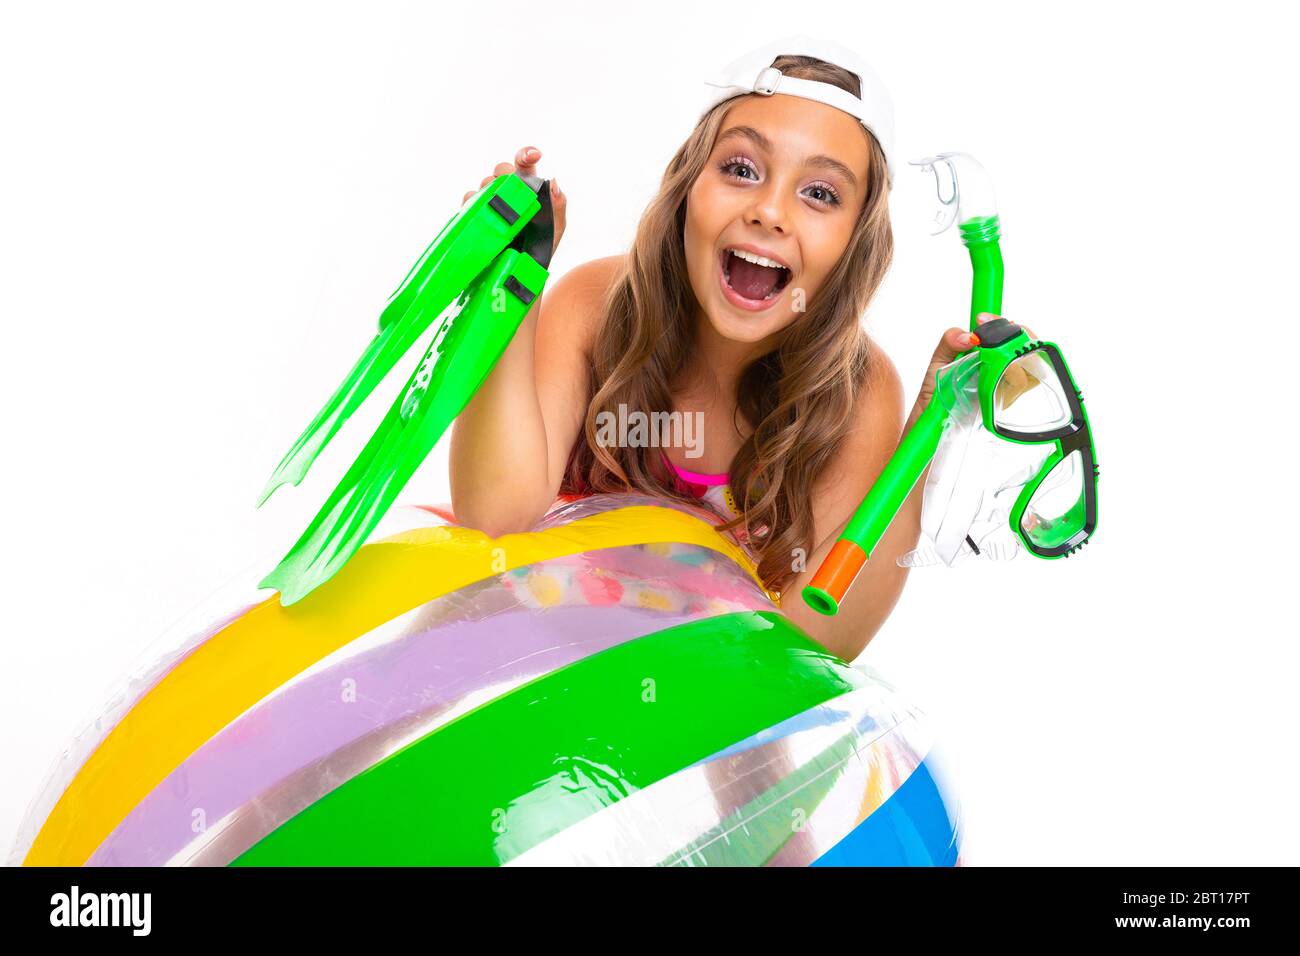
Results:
[526, 165]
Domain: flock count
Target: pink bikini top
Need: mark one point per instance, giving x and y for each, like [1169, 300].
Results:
[698, 482]
[711, 490]
[697, 478]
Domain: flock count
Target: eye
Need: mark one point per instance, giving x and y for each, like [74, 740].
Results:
[740, 167]
[727, 167]
[831, 197]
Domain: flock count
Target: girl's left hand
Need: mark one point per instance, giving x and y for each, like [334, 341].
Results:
[954, 342]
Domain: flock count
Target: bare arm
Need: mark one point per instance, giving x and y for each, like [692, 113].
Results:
[860, 461]
[498, 442]
[510, 445]
[877, 589]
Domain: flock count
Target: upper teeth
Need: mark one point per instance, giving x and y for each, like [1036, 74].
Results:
[756, 259]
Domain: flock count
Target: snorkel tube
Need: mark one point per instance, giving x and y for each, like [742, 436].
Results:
[970, 203]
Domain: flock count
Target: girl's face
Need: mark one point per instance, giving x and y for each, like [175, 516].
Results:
[785, 183]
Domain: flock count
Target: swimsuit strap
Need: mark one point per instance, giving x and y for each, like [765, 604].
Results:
[696, 477]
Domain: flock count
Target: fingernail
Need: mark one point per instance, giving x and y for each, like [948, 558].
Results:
[532, 154]
[555, 188]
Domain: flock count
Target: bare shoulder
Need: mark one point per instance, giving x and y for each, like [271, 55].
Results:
[879, 411]
[598, 274]
[873, 438]
[575, 301]
[881, 399]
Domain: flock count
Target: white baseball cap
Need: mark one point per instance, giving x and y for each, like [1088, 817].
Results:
[753, 73]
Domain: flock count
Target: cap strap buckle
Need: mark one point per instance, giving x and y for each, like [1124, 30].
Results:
[768, 80]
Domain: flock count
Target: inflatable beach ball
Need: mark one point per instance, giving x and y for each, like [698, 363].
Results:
[613, 688]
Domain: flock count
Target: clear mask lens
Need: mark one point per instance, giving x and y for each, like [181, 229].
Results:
[1056, 512]
[1030, 397]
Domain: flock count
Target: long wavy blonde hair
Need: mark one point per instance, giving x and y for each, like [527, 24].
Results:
[801, 395]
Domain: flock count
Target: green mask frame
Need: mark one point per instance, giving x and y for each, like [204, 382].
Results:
[1055, 513]
[1028, 396]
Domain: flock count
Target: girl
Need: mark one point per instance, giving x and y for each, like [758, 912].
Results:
[740, 299]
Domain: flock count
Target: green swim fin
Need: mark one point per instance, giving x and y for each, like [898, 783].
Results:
[461, 251]
[490, 303]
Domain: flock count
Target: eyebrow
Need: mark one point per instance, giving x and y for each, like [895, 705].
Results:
[821, 162]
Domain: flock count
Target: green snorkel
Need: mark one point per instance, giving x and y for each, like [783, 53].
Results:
[478, 278]
[1026, 395]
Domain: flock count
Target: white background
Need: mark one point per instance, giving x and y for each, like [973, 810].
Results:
[204, 207]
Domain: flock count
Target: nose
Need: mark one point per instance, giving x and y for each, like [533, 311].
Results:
[767, 208]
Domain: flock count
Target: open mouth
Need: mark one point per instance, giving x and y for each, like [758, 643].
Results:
[754, 279]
